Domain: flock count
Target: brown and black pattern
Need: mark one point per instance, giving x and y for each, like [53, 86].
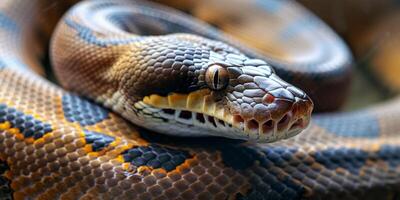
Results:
[57, 145]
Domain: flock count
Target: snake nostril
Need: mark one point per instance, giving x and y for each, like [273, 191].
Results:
[267, 126]
[252, 124]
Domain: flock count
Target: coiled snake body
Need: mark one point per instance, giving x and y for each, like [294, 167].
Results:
[55, 144]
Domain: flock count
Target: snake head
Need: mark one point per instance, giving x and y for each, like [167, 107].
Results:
[200, 87]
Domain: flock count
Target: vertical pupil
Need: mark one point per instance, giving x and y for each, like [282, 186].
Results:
[216, 79]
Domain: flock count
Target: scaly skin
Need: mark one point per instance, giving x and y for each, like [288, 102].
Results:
[54, 144]
[146, 76]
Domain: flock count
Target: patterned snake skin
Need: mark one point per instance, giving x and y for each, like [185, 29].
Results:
[55, 144]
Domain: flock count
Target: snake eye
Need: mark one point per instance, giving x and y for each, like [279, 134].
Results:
[217, 77]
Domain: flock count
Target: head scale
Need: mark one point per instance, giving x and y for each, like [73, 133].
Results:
[191, 86]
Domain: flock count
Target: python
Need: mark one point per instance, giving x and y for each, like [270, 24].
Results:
[57, 145]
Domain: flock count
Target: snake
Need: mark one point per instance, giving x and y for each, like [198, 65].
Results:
[155, 104]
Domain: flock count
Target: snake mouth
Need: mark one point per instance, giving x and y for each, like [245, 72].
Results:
[190, 123]
[197, 114]
[195, 124]
[189, 117]
[284, 128]
[194, 114]
[200, 120]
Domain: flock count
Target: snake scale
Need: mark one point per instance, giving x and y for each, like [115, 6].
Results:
[56, 144]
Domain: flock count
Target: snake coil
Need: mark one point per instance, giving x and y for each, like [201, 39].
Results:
[57, 145]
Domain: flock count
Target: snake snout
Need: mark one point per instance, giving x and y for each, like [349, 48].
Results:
[277, 120]
[272, 109]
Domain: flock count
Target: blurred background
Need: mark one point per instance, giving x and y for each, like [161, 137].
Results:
[371, 29]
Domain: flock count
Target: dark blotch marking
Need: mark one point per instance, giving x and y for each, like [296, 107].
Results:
[354, 159]
[242, 157]
[99, 141]
[27, 125]
[156, 156]
[348, 158]
[77, 109]
[257, 194]
[265, 184]
[6, 191]
[390, 154]
[238, 157]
